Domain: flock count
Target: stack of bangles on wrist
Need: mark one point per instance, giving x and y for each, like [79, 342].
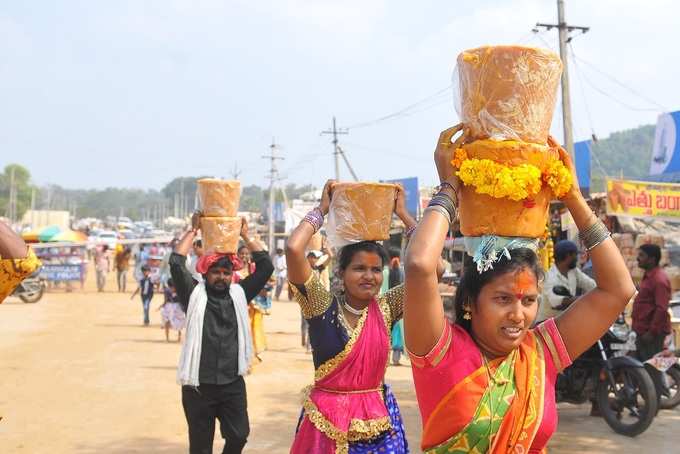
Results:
[315, 218]
[443, 204]
[594, 235]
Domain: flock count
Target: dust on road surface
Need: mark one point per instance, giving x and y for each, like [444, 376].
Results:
[80, 374]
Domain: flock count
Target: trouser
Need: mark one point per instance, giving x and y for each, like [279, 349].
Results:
[280, 282]
[122, 280]
[101, 280]
[146, 303]
[227, 403]
[646, 350]
[396, 356]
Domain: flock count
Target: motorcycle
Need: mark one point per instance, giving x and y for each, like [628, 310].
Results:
[618, 385]
[671, 379]
[31, 289]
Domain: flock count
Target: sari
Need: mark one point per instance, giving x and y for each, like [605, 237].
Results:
[506, 405]
[349, 409]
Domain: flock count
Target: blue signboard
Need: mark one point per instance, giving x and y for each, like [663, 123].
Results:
[666, 151]
[412, 194]
[582, 164]
[61, 272]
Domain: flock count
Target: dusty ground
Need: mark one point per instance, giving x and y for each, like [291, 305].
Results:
[80, 374]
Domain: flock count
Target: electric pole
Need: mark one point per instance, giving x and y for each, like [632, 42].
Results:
[273, 179]
[564, 30]
[236, 172]
[336, 149]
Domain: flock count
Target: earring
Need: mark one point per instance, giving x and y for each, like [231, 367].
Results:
[467, 315]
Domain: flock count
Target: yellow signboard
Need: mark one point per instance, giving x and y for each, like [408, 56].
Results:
[643, 199]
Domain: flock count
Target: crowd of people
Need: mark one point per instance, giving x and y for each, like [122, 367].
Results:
[484, 381]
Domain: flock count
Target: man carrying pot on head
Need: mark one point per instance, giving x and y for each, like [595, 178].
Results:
[218, 345]
[564, 273]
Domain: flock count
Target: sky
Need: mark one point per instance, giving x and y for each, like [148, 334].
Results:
[133, 93]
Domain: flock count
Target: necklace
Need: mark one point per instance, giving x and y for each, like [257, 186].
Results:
[350, 309]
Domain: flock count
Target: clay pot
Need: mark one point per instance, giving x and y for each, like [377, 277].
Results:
[481, 214]
[220, 234]
[219, 198]
[508, 92]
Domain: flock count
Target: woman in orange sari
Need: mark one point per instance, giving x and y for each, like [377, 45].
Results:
[485, 383]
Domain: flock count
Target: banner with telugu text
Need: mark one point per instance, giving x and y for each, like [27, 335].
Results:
[643, 199]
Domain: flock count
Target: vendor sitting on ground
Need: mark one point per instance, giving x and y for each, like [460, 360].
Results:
[17, 261]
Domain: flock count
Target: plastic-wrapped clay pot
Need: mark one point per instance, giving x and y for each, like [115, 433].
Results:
[508, 92]
[220, 234]
[482, 214]
[219, 198]
[360, 212]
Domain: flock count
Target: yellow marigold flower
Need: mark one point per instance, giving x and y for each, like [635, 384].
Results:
[558, 177]
[500, 181]
[459, 156]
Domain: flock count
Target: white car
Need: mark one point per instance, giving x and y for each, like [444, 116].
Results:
[107, 237]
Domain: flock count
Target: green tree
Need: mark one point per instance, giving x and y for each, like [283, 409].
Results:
[23, 186]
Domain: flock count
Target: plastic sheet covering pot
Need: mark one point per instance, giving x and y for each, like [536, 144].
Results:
[220, 234]
[219, 198]
[481, 214]
[360, 212]
[508, 92]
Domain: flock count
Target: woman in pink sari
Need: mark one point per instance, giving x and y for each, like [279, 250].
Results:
[349, 409]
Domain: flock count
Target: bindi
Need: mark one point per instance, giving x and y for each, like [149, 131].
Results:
[524, 283]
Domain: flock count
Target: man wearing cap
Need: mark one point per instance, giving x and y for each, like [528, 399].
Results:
[563, 273]
[218, 345]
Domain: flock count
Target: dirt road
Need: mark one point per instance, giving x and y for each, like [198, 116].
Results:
[80, 374]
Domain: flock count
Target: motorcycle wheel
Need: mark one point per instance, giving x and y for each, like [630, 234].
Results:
[673, 383]
[629, 407]
[33, 296]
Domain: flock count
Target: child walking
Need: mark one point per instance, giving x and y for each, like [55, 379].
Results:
[171, 312]
[146, 288]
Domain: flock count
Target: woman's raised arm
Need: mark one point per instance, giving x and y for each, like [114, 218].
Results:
[588, 318]
[423, 311]
[296, 258]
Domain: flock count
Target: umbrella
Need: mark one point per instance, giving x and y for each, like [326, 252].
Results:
[47, 233]
[70, 236]
[31, 236]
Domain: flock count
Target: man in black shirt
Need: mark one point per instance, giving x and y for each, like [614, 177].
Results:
[221, 391]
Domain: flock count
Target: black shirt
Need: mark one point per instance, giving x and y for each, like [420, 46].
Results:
[219, 347]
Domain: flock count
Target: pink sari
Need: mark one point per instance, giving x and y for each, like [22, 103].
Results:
[346, 402]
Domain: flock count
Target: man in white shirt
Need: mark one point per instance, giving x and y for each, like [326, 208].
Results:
[564, 273]
[281, 271]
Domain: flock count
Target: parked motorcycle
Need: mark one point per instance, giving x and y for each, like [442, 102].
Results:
[671, 380]
[619, 385]
[31, 289]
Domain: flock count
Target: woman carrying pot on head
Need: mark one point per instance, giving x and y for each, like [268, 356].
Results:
[487, 382]
[349, 409]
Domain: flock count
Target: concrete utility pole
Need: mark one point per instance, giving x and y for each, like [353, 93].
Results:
[236, 172]
[564, 30]
[273, 179]
[336, 150]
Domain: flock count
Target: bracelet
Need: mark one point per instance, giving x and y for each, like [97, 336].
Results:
[315, 218]
[444, 184]
[446, 202]
[439, 209]
[594, 235]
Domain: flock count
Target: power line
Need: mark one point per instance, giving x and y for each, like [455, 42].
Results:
[621, 84]
[403, 111]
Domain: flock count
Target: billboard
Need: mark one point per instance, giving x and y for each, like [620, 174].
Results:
[666, 151]
[412, 195]
[582, 164]
[643, 199]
